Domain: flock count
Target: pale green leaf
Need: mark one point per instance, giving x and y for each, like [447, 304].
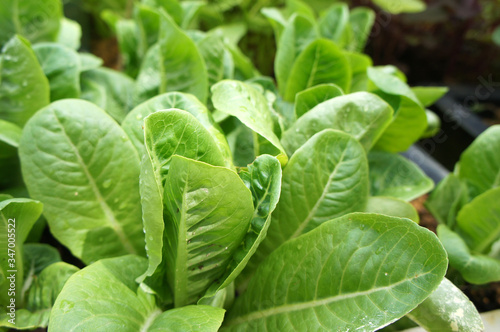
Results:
[118, 88]
[358, 272]
[326, 178]
[17, 217]
[361, 20]
[398, 7]
[10, 134]
[393, 207]
[24, 89]
[263, 178]
[308, 99]
[89, 61]
[447, 309]
[190, 10]
[334, 24]
[41, 296]
[207, 214]
[361, 114]
[475, 269]
[168, 133]
[35, 20]
[428, 95]
[480, 163]
[479, 221]
[69, 34]
[134, 122]
[82, 166]
[408, 125]
[104, 297]
[182, 66]
[447, 199]
[298, 33]
[61, 65]
[395, 176]
[246, 103]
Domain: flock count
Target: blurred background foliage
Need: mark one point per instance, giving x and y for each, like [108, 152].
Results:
[445, 41]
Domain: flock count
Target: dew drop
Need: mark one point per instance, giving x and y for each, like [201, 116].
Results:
[66, 306]
[106, 184]
[138, 116]
[386, 274]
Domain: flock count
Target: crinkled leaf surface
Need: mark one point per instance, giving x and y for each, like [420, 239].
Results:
[447, 309]
[82, 166]
[35, 20]
[326, 178]
[321, 62]
[61, 65]
[168, 133]
[207, 214]
[105, 297]
[41, 296]
[134, 122]
[24, 89]
[480, 163]
[395, 176]
[361, 114]
[357, 272]
[263, 178]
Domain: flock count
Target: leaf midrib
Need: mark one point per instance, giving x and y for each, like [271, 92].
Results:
[102, 203]
[288, 308]
[316, 206]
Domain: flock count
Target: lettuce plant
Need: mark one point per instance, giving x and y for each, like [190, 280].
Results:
[199, 195]
[465, 204]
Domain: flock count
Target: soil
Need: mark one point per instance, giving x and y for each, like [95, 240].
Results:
[108, 50]
[427, 220]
